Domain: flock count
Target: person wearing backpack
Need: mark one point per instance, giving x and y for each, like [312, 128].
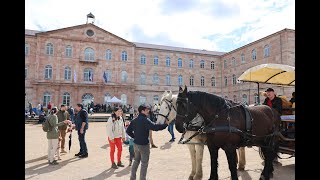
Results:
[53, 134]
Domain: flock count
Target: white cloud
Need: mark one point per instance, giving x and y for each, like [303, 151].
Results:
[186, 28]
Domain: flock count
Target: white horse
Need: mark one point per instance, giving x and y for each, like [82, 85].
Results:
[168, 106]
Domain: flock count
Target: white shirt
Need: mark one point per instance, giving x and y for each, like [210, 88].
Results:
[115, 129]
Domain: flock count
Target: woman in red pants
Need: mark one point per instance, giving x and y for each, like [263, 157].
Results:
[116, 135]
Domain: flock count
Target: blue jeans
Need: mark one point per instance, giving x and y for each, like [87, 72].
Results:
[83, 144]
[141, 153]
[131, 151]
[170, 129]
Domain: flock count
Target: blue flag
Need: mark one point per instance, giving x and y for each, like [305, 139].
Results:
[105, 77]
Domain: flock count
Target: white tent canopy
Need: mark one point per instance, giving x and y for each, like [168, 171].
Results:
[114, 100]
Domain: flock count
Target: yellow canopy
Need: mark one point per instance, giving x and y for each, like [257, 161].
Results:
[278, 74]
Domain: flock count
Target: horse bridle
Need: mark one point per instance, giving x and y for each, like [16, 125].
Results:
[184, 101]
[170, 106]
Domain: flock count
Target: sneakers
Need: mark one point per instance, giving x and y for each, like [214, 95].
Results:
[78, 154]
[63, 151]
[114, 166]
[153, 146]
[171, 140]
[54, 162]
[119, 164]
[83, 155]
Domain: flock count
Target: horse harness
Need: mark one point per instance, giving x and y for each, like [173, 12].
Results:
[170, 106]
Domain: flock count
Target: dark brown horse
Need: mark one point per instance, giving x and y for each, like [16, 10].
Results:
[227, 127]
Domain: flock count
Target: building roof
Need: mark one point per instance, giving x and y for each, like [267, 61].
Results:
[171, 48]
[31, 32]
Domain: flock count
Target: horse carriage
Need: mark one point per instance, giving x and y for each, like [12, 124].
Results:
[281, 75]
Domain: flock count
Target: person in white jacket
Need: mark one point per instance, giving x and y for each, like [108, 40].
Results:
[116, 135]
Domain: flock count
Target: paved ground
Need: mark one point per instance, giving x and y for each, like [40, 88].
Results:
[169, 161]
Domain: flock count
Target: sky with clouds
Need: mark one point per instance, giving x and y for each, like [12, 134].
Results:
[216, 25]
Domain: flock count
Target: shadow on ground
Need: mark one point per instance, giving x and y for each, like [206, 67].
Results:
[109, 172]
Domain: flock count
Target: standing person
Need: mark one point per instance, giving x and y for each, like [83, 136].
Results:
[116, 133]
[293, 98]
[81, 125]
[53, 135]
[241, 158]
[71, 113]
[152, 118]
[139, 130]
[30, 108]
[131, 111]
[62, 115]
[171, 131]
[49, 107]
[129, 141]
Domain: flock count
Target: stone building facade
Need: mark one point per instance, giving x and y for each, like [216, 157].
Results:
[85, 62]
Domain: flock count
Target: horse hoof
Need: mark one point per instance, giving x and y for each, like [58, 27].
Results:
[197, 177]
[271, 175]
[190, 178]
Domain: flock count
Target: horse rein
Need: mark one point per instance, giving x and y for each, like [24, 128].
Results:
[170, 106]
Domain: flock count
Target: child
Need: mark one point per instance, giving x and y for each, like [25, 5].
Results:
[129, 141]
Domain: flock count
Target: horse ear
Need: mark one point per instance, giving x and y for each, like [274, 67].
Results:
[170, 95]
[185, 90]
[180, 89]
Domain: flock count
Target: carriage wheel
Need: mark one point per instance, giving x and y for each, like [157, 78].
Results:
[261, 154]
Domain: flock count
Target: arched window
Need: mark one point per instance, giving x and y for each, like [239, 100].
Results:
[67, 73]
[254, 55]
[142, 78]
[213, 81]
[48, 72]
[87, 98]
[66, 99]
[107, 77]
[225, 81]
[266, 51]
[124, 76]
[168, 61]
[168, 80]
[107, 97]
[191, 63]
[143, 99]
[235, 98]
[155, 79]
[202, 81]
[108, 54]
[233, 61]
[155, 99]
[212, 65]
[88, 75]
[243, 59]
[244, 99]
[234, 79]
[89, 54]
[191, 81]
[124, 56]
[143, 59]
[180, 80]
[179, 62]
[123, 99]
[49, 49]
[26, 49]
[156, 60]
[46, 99]
[68, 51]
[225, 65]
[202, 64]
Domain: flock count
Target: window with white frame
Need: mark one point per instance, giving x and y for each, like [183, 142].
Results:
[168, 80]
[212, 65]
[107, 97]
[48, 72]
[225, 81]
[67, 73]
[155, 79]
[123, 99]
[225, 65]
[243, 59]
[87, 97]
[213, 82]
[191, 81]
[26, 49]
[143, 59]
[49, 49]
[89, 54]
[155, 60]
[25, 72]
[124, 56]
[108, 54]
[266, 51]
[142, 78]
[143, 99]
[256, 98]
[180, 80]
[191, 63]
[68, 51]
[155, 99]
[235, 98]
[180, 63]
[233, 61]
[88, 75]
[46, 99]
[168, 61]
[202, 64]
[234, 79]
[66, 99]
[254, 54]
[108, 75]
[202, 81]
[124, 76]
[244, 99]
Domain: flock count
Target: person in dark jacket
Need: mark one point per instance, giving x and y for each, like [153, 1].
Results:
[81, 125]
[273, 101]
[139, 130]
